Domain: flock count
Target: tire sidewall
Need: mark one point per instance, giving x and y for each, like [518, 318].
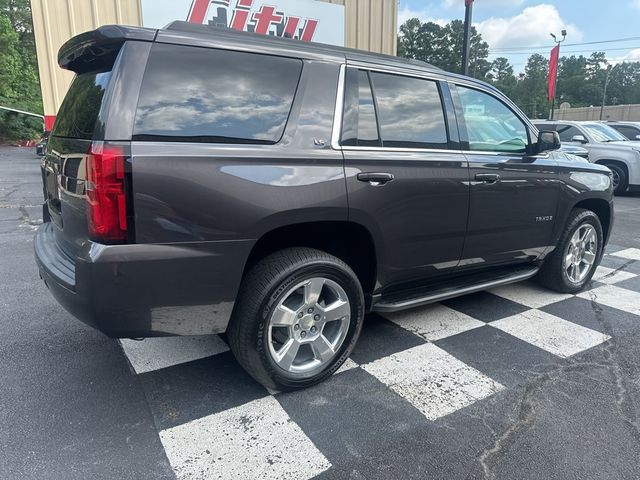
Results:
[348, 281]
[584, 218]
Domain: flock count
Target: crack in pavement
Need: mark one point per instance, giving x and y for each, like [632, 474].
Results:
[528, 404]
[626, 405]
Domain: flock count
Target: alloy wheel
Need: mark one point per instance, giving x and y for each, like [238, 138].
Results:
[580, 255]
[309, 325]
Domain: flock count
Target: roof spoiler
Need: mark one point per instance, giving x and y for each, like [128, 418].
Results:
[97, 49]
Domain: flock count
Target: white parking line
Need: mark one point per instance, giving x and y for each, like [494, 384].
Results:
[434, 322]
[161, 352]
[528, 294]
[253, 441]
[615, 297]
[432, 380]
[550, 333]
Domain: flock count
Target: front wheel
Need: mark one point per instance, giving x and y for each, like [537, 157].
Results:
[297, 318]
[574, 261]
[620, 179]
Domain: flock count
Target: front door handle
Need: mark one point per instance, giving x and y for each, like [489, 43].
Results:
[376, 179]
[487, 177]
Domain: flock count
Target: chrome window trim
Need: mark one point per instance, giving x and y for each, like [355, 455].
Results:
[337, 114]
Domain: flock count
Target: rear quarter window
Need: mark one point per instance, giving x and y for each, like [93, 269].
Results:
[208, 95]
[79, 111]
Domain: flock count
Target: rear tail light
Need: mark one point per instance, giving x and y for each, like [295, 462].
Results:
[106, 195]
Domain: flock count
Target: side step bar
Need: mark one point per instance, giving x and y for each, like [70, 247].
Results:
[439, 295]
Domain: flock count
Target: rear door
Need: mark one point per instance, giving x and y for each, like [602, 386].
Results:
[514, 193]
[406, 182]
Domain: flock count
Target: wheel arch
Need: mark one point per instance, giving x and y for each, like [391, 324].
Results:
[621, 163]
[349, 241]
[602, 209]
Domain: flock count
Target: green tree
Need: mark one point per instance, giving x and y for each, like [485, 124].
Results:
[501, 75]
[441, 46]
[530, 93]
[19, 84]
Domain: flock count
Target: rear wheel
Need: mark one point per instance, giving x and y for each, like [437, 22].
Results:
[297, 318]
[620, 178]
[574, 261]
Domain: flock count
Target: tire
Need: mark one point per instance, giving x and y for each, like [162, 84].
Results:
[621, 179]
[554, 273]
[292, 276]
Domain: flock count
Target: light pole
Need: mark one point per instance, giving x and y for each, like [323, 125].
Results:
[468, 5]
[555, 77]
[604, 91]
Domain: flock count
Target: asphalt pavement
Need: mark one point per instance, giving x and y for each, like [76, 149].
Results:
[515, 383]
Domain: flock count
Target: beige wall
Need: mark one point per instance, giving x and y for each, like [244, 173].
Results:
[611, 112]
[371, 24]
[56, 21]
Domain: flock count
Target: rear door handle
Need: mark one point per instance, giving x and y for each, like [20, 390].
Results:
[488, 177]
[376, 179]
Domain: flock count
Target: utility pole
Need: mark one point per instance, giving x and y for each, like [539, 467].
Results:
[555, 78]
[468, 7]
[604, 92]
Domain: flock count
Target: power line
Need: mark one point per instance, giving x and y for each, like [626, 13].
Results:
[570, 51]
[532, 47]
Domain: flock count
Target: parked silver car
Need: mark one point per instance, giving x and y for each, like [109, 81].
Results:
[631, 130]
[606, 146]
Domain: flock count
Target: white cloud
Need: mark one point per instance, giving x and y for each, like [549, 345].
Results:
[633, 55]
[405, 13]
[635, 4]
[529, 28]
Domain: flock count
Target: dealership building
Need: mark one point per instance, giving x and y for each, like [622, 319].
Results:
[364, 24]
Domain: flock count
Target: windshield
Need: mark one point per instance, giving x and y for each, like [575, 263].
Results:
[604, 133]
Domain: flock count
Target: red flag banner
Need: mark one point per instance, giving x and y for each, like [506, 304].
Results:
[553, 70]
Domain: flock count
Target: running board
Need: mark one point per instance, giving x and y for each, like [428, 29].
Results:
[417, 299]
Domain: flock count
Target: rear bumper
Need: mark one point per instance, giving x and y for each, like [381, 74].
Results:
[145, 290]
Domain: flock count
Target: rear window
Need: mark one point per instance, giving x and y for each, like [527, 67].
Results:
[78, 114]
[207, 95]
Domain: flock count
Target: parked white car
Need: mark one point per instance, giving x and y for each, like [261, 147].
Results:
[606, 146]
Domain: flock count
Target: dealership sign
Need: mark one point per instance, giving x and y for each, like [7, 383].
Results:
[307, 20]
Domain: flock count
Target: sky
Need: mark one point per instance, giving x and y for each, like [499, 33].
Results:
[509, 25]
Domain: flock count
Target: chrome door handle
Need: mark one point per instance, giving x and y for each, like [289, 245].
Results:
[488, 177]
[376, 179]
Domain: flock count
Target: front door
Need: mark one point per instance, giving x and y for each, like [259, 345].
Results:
[514, 193]
[403, 182]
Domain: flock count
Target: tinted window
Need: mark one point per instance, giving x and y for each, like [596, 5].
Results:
[628, 131]
[79, 111]
[359, 127]
[409, 111]
[491, 125]
[566, 132]
[215, 96]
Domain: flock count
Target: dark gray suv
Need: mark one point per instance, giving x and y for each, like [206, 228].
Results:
[202, 181]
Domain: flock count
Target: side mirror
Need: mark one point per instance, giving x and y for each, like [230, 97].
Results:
[579, 138]
[548, 140]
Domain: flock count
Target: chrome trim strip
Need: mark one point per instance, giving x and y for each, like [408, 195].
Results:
[399, 149]
[337, 114]
[417, 302]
